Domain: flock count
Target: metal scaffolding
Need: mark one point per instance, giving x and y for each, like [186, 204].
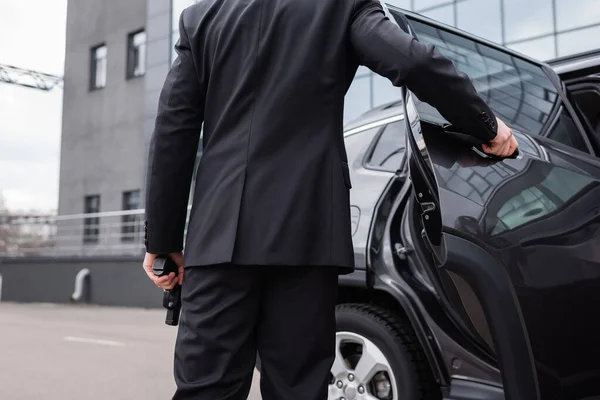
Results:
[29, 78]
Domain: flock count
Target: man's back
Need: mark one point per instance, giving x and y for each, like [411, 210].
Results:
[268, 78]
[280, 59]
[274, 74]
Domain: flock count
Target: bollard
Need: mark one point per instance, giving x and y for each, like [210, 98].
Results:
[80, 280]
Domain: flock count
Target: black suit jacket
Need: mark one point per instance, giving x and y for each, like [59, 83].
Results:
[267, 78]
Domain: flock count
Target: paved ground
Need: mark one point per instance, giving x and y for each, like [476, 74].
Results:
[66, 352]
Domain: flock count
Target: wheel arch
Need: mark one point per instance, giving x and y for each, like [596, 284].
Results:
[399, 303]
[352, 288]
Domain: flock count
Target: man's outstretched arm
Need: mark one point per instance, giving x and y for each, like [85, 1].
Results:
[173, 151]
[387, 50]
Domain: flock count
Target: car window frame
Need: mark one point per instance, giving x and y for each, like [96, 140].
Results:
[556, 81]
[371, 149]
[374, 124]
[573, 86]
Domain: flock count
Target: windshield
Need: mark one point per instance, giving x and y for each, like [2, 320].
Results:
[519, 92]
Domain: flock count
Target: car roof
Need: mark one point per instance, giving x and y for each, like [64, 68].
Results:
[576, 62]
[382, 112]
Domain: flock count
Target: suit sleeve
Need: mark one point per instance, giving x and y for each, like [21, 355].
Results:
[387, 50]
[173, 149]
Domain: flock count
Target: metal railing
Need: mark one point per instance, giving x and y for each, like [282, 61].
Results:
[117, 233]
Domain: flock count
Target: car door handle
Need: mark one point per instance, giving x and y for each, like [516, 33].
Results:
[492, 157]
[476, 146]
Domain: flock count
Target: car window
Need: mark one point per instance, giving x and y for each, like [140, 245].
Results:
[562, 132]
[357, 143]
[518, 92]
[588, 101]
[389, 148]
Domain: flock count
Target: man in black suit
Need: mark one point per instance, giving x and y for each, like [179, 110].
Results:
[269, 229]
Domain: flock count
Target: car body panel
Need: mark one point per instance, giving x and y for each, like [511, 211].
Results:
[518, 267]
[360, 139]
[541, 220]
[577, 65]
[528, 230]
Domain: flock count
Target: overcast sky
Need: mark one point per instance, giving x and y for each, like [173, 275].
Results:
[32, 36]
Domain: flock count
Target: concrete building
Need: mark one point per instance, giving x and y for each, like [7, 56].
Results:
[118, 54]
[102, 146]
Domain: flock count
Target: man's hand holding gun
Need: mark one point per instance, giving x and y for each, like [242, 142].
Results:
[166, 271]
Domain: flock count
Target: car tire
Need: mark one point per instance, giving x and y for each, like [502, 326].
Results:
[410, 378]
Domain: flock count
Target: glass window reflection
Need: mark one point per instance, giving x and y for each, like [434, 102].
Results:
[578, 41]
[524, 20]
[556, 188]
[575, 14]
[384, 92]
[99, 67]
[517, 91]
[136, 54]
[358, 99]
[362, 71]
[423, 4]
[443, 14]
[481, 18]
[405, 4]
[541, 49]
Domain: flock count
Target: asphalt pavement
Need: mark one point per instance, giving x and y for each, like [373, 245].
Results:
[70, 352]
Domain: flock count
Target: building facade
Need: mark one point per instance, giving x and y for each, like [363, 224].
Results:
[119, 52]
[102, 144]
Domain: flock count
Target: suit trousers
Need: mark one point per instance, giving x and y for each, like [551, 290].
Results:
[230, 312]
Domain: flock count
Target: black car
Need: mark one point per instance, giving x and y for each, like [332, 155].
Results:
[477, 277]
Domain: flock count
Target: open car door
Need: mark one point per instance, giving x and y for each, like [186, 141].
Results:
[581, 75]
[519, 236]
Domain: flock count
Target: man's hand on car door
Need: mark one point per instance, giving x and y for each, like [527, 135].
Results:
[504, 144]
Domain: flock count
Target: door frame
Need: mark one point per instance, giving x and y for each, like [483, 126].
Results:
[464, 257]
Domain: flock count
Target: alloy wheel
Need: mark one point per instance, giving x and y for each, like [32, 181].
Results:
[360, 370]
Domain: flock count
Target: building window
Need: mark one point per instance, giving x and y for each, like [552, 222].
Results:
[130, 222]
[578, 41]
[98, 67]
[576, 14]
[404, 4]
[542, 49]
[421, 5]
[136, 54]
[91, 225]
[522, 25]
[468, 18]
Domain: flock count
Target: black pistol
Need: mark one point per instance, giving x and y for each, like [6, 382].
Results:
[161, 266]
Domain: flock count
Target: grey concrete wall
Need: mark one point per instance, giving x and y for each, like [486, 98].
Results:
[112, 281]
[102, 148]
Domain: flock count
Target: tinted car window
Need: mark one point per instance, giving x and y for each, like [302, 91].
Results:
[389, 148]
[588, 100]
[562, 132]
[519, 92]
